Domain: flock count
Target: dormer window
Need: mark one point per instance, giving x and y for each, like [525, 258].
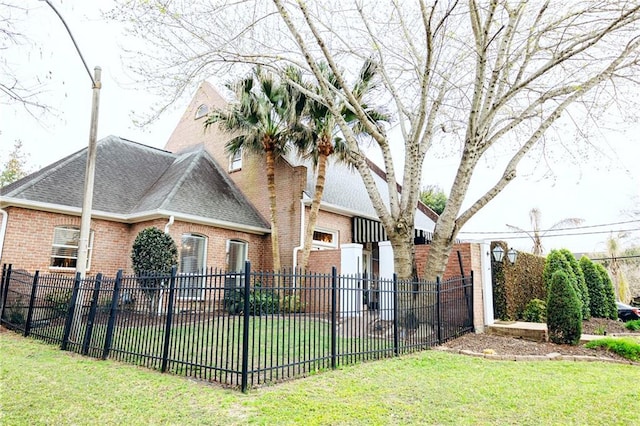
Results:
[201, 111]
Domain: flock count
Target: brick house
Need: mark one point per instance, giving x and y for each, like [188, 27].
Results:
[215, 207]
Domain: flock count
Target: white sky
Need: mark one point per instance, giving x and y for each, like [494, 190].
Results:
[599, 190]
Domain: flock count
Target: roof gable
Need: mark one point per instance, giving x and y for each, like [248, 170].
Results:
[132, 179]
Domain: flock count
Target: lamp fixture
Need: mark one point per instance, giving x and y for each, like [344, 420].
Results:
[498, 253]
[512, 255]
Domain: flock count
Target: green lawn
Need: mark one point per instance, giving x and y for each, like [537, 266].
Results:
[43, 385]
[278, 347]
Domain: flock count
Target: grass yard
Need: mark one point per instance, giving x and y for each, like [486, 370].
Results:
[279, 347]
[43, 385]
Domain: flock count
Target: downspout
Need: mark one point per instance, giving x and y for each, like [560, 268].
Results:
[296, 250]
[166, 231]
[3, 232]
[166, 227]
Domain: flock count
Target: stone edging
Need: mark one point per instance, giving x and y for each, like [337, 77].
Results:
[554, 356]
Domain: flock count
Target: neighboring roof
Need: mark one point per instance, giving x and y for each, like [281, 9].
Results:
[344, 189]
[134, 182]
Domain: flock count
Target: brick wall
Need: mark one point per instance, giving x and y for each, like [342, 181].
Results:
[251, 178]
[29, 239]
[470, 254]
[190, 131]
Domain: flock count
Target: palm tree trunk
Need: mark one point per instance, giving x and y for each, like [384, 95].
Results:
[315, 208]
[271, 185]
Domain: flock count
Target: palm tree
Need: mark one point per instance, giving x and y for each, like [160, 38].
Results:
[537, 233]
[621, 285]
[317, 133]
[261, 116]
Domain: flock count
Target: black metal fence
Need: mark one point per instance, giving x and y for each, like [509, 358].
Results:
[239, 329]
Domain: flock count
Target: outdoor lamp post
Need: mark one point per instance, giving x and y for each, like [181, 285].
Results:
[512, 255]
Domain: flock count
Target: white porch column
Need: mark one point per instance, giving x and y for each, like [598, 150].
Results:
[487, 283]
[351, 302]
[386, 270]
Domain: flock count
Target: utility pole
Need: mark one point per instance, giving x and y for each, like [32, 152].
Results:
[89, 176]
[87, 200]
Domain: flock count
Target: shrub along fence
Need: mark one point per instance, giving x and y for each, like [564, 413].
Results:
[239, 329]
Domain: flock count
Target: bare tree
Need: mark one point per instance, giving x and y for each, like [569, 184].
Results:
[483, 76]
[15, 89]
[537, 232]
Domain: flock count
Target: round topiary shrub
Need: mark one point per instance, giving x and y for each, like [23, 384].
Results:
[153, 255]
[564, 313]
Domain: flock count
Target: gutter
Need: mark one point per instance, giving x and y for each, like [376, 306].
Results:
[133, 218]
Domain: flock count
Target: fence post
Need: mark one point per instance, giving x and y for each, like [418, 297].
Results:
[32, 301]
[460, 263]
[6, 279]
[334, 322]
[112, 315]
[88, 331]
[438, 319]
[167, 326]
[245, 327]
[470, 302]
[5, 269]
[396, 336]
[70, 313]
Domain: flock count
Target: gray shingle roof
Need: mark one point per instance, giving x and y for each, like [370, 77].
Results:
[344, 188]
[133, 179]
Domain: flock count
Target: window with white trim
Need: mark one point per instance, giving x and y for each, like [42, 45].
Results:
[325, 238]
[201, 111]
[64, 251]
[236, 258]
[193, 255]
[235, 160]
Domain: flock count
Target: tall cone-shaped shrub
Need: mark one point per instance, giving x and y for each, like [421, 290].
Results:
[581, 286]
[593, 280]
[610, 309]
[564, 314]
[558, 261]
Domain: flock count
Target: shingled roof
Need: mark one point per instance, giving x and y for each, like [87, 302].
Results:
[344, 190]
[135, 182]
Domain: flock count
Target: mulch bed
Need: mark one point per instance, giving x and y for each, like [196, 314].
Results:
[500, 347]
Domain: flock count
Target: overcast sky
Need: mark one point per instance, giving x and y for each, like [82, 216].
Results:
[598, 189]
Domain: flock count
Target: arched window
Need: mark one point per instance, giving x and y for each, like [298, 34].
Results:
[64, 251]
[201, 111]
